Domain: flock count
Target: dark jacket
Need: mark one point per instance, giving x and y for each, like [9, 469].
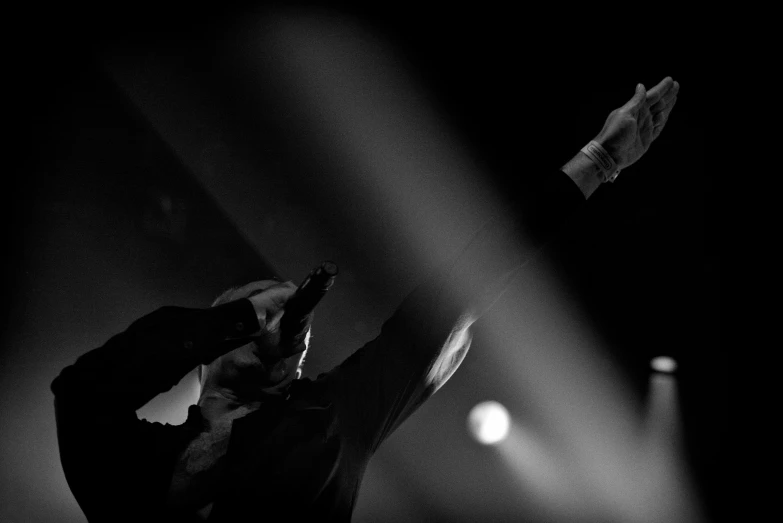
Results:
[302, 456]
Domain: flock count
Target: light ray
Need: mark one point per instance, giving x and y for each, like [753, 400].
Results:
[408, 177]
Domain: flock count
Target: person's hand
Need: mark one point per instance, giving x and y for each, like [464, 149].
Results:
[629, 130]
[270, 304]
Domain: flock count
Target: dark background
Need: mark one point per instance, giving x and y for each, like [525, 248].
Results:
[89, 178]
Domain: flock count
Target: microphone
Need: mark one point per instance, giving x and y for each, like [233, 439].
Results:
[299, 308]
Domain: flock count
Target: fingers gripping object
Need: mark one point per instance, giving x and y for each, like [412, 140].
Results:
[601, 158]
[294, 322]
[299, 308]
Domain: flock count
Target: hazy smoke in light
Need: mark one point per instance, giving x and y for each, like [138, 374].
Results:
[403, 162]
[417, 184]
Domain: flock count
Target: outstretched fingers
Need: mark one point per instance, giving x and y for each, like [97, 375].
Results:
[643, 114]
[646, 131]
[660, 109]
[661, 117]
[660, 91]
[665, 99]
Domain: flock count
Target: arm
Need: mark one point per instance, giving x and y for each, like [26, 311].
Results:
[114, 462]
[627, 133]
[423, 343]
[421, 346]
[585, 173]
[152, 355]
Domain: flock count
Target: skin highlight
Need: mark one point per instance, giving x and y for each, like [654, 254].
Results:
[239, 381]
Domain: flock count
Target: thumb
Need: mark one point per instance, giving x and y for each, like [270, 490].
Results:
[638, 97]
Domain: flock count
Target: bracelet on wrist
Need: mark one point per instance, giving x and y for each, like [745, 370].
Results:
[601, 158]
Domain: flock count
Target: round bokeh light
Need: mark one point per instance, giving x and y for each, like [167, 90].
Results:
[663, 364]
[489, 422]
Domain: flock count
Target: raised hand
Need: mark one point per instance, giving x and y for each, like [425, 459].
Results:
[629, 130]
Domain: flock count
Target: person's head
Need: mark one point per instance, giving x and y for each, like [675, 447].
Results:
[244, 370]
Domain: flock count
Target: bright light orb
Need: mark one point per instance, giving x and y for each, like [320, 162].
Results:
[489, 422]
[663, 364]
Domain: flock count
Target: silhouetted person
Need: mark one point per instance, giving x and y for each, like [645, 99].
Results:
[262, 444]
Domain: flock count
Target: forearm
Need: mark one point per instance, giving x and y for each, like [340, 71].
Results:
[154, 353]
[467, 287]
[427, 337]
[584, 173]
[496, 254]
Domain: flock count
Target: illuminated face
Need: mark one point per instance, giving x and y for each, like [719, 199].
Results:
[248, 370]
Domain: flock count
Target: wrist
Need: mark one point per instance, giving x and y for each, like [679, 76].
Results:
[601, 157]
[610, 147]
[585, 173]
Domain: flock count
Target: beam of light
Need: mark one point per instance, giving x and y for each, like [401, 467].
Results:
[379, 489]
[586, 413]
[416, 182]
[410, 179]
[540, 469]
[547, 477]
[668, 482]
[489, 422]
[402, 173]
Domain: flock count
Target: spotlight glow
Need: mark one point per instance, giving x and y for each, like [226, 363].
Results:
[663, 364]
[489, 422]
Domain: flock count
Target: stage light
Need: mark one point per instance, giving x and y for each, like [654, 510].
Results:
[489, 422]
[663, 364]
